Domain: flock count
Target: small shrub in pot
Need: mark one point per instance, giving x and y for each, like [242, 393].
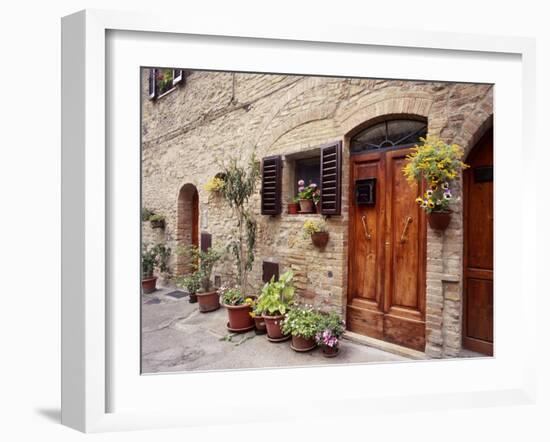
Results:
[238, 308]
[302, 322]
[331, 328]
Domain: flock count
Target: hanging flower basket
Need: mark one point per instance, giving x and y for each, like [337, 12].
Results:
[439, 220]
[319, 239]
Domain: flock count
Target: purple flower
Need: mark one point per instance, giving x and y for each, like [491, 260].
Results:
[301, 188]
[301, 183]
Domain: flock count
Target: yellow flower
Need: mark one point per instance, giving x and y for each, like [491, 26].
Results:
[419, 200]
[431, 204]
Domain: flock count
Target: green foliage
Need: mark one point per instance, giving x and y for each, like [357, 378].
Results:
[239, 185]
[191, 282]
[164, 79]
[203, 262]
[277, 296]
[332, 322]
[146, 214]
[310, 227]
[162, 254]
[302, 321]
[232, 295]
[156, 217]
[151, 257]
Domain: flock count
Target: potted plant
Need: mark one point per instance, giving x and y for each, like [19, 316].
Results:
[215, 184]
[317, 230]
[257, 315]
[330, 329]
[292, 207]
[305, 196]
[146, 214]
[317, 200]
[439, 164]
[157, 221]
[274, 301]
[148, 261]
[192, 283]
[203, 262]
[302, 323]
[238, 308]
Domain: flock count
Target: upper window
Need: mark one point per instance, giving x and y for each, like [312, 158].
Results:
[308, 171]
[388, 134]
[162, 81]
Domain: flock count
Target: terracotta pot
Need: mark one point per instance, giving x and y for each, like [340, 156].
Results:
[192, 298]
[292, 208]
[319, 239]
[302, 344]
[439, 220]
[239, 318]
[157, 224]
[273, 326]
[330, 352]
[149, 285]
[209, 301]
[306, 206]
[259, 322]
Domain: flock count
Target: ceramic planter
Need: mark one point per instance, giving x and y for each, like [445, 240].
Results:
[273, 326]
[149, 285]
[306, 206]
[330, 352]
[208, 301]
[157, 224]
[319, 239]
[439, 220]
[292, 208]
[300, 344]
[259, 322]
[240, 320]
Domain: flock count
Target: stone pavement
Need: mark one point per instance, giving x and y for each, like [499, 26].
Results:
[177, 337]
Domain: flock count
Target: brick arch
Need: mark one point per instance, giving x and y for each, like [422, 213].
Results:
[399, 105]
[187, 227]
[479, 123]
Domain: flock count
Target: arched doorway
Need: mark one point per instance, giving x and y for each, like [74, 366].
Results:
[187, 232]
[477, 327]
[387, 235]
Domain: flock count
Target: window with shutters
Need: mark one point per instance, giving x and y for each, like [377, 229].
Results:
[271, 169]
[162, 81]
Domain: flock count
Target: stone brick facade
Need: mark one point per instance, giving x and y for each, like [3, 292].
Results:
[215, 114]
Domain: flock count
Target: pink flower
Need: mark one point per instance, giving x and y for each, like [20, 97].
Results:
[313, 185]
[301, 183]
[301, 189]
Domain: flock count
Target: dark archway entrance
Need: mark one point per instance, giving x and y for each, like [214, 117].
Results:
[187, 232]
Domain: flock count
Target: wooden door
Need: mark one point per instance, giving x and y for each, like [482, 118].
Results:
[387, 243]
[478, 248]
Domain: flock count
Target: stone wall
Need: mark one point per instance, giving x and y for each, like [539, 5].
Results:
[214, 115]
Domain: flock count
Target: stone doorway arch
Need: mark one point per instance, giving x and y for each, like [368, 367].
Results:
[187, 230]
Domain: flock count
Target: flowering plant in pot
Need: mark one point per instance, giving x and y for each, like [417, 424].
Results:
[305, 196]
[330, 329]
[302, 322]
[292, 207]
[192, 283]
[238, 308]
[157, 221]
[317, 231]
[274, 301]
[440, 165]
[214, 185]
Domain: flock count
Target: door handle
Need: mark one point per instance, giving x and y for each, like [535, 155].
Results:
[365, 228]
[408, 221]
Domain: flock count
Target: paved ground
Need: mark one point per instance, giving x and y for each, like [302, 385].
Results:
[177, 337]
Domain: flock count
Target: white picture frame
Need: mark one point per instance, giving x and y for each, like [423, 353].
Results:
[87, 314]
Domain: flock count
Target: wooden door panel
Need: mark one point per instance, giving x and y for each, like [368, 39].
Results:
[479, 313]
[406, 237]
[407, 332]
[478, 248]
[365, 321]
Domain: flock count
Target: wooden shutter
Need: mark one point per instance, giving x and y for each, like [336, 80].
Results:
[206, 241]
[271, 185]
[331, 178]
[177, 76]
[270, 269]
[152, 83]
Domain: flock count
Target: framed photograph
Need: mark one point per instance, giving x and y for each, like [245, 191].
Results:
[250, 210]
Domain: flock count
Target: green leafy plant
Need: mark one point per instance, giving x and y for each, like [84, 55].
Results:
[331, 328]
[277, 296]
[203, 262]
[164, 79]
[234, 296]
[308, 192]
[239, 185]
[191, 282]
[146, 214]
[440, 165]
[311, 226]
[156, 217]
[148, 261]
[302, 321]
